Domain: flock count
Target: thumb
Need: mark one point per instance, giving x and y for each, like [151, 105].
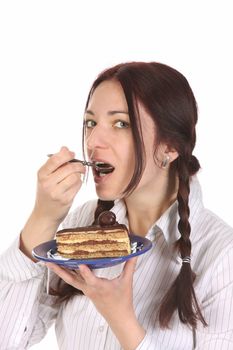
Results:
[129, 268]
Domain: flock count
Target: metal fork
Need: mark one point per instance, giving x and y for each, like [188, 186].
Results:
[105, 168]
[83, 162]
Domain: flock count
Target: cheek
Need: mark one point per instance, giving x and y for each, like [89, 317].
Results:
[129, 155]
[126, 156]
[151, 172]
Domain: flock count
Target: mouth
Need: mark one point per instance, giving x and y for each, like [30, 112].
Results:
[101, 169]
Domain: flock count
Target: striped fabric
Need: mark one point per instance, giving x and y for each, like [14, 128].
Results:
[26, 311]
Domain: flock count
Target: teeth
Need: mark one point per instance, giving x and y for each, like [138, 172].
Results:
[102, 174]
[103, 168]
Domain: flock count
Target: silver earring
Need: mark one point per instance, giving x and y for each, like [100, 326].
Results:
[165, 162]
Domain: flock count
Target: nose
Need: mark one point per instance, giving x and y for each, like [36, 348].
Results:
[97, 138]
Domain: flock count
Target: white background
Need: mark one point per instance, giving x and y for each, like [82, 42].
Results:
[51, 51]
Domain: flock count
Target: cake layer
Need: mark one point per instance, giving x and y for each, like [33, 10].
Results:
[69, 248]
[94, 255]
[94, 241]
[97, 236]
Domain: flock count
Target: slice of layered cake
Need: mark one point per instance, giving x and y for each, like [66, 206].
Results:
[105, 240]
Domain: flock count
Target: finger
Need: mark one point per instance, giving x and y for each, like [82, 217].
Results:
[63, 181]
[69, 195]
[67, 189]
[65, 171]
[66, 275]
[87, 275]
[57, 160]
[129, 268]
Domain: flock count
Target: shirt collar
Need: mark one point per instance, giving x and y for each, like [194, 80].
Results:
[167, 224]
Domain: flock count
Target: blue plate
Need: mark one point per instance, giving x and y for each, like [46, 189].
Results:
[47, 252]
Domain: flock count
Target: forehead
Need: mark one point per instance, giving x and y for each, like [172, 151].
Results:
[108, 94]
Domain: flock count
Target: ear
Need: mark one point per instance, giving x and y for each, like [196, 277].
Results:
[171, 153]
[166, 152]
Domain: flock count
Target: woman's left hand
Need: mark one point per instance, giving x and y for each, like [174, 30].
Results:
[112, 298]
[109, 296]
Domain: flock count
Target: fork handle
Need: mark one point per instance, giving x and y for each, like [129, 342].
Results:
[84, 162]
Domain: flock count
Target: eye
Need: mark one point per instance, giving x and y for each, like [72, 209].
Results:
[89, 123]
[121, 124]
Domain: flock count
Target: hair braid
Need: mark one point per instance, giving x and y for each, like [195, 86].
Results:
[181, 295]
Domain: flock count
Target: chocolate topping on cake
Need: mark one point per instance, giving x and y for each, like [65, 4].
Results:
[107, 218]
[107, 239]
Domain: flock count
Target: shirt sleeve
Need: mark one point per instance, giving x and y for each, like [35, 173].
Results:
[150, 342]
[26, 311]
[217, 308]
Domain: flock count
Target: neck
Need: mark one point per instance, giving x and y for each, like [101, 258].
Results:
[145, 206]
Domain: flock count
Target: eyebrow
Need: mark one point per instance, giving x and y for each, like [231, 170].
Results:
[88, 111]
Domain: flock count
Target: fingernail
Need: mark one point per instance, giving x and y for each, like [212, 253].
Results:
[82, 268]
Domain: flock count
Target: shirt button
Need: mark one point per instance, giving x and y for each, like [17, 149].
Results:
[101, 328]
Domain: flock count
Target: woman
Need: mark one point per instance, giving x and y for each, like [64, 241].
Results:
[140, 118]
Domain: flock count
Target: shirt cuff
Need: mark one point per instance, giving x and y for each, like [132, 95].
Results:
[15, 266]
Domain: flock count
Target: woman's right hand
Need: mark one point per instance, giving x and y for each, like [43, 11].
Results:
[58, 183]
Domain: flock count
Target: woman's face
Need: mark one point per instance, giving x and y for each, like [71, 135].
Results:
[109, 139]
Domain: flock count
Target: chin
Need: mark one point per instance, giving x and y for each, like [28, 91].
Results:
[107, 196]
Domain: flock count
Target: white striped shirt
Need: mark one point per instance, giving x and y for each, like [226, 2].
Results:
[26, 311]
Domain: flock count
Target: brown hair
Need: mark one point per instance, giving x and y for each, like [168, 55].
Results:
[167, 97]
